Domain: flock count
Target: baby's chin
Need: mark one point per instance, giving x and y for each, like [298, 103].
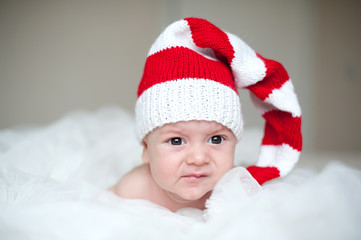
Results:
[189, 196]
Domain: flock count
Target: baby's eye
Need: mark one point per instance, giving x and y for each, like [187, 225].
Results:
[176, 141]
[216, 139]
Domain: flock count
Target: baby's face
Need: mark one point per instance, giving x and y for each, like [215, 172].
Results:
[188, 158]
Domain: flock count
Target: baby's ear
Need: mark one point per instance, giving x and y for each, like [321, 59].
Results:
[144, 153]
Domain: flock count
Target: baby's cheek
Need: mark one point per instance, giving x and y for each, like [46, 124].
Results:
[226, 166]
[164, 172]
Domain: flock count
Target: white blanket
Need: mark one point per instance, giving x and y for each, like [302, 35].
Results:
[53, 181]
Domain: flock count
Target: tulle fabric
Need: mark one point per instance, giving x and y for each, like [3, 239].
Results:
[53, 183]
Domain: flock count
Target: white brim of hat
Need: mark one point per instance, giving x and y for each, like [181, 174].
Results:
[185, 100]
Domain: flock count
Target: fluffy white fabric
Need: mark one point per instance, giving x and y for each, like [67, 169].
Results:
[53, 181]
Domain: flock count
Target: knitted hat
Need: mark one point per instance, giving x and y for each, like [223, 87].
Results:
[193, 71]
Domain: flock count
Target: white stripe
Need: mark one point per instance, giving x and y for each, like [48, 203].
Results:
[185, 100]
[282, 157]
[247, 68]
[284, 99]
[179, 34]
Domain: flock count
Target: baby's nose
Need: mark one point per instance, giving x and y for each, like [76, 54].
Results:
[198, 155]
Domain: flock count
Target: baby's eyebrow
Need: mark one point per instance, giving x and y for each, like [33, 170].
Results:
[171, 130]
[217, 128]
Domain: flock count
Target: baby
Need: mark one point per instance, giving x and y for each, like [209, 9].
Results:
[188, 115]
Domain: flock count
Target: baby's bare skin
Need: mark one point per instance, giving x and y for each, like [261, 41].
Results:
[139, 184]
[183, 161]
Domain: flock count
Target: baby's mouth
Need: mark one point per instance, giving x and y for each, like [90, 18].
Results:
[195, 176]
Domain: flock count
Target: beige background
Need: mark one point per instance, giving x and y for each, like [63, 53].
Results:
[61, 56]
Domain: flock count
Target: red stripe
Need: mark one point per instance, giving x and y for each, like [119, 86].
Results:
[263, 174]
[276, 76]
[207, 35]
[180, 62]
[281, 127]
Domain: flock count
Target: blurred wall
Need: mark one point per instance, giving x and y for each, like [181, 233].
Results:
[61, 56]
[338, 100]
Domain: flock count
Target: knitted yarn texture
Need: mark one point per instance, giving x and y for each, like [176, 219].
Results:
[193, 71]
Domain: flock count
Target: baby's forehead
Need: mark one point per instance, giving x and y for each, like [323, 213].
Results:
[193, 128]
[201, 125]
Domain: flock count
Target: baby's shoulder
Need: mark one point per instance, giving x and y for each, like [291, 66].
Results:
[134, 183]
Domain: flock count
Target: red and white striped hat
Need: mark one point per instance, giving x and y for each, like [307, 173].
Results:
[193, 71]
